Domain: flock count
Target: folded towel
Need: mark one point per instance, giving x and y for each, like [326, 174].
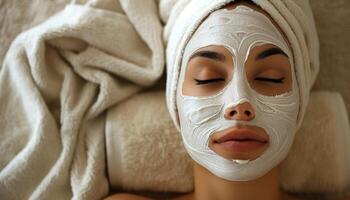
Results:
[319, 160]
[144, 150]
[56, 83]
[20, 181]
[146, 153]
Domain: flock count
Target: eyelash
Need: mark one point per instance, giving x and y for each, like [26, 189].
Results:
[200, 82]
[278, 80]
[273, 80]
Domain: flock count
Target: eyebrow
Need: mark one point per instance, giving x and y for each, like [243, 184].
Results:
[209, 54]
[270, 52]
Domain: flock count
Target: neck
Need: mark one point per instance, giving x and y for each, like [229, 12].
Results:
[208, 186]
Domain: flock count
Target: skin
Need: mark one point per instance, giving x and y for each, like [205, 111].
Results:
[207, 186]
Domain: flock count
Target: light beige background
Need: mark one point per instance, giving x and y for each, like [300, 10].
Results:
[332, 21]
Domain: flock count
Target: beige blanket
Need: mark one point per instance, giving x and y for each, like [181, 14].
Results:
[56, 82]
[61, 81]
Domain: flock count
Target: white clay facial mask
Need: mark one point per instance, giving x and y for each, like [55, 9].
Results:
[238, 30]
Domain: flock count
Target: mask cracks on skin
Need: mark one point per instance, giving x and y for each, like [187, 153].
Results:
[239, 30]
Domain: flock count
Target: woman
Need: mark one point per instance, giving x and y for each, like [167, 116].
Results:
[238, 105]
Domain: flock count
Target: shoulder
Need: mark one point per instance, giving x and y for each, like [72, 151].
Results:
[290, 197]
[188, 196]
[125, 196]
[345, 198]
[286, 196]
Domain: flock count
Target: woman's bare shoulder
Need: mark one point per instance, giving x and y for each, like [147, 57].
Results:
[188, 196]
[345, 198]
[126, 196]
[286, 196]
[290, 197]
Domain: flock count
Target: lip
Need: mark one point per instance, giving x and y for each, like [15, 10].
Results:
[240, 139]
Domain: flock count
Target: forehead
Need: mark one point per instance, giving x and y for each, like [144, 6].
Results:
[241, 19]
[257, 8]
[238, 28]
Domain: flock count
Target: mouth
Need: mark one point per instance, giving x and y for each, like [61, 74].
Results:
[240, 139]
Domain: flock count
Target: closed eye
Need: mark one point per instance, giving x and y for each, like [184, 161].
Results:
[199, 82]
[273, 80]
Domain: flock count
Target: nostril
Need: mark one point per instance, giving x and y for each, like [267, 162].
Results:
[233, 112]
[247, 112]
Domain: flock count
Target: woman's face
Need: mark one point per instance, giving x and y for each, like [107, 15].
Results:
[210, 69]
[237, 94]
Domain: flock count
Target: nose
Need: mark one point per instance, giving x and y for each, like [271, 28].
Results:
[243, 111]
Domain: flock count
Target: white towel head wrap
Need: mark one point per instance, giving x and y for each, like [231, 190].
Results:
[298, 26]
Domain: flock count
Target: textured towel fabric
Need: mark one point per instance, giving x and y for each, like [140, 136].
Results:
[294, 17]
[146, 153]
[320, 168]
[331, 18]
[56, 82]
[319, 160]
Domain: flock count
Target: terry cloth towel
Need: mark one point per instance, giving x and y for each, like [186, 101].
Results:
[294, 17]
[56, 82]
[318, 164]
